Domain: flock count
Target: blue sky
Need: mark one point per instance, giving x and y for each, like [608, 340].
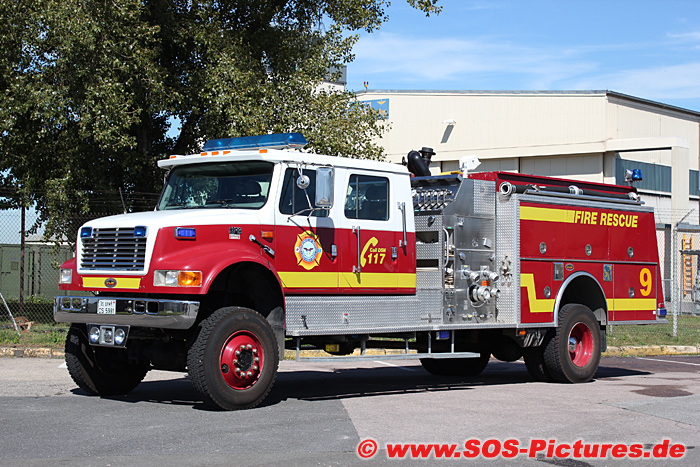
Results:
[645, 48]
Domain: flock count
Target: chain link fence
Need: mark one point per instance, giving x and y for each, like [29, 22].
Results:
[29, 266]
[679, 248]
[29, 279]
[685, 290]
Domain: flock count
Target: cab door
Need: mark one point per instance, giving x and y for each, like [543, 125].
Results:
[307, 256]
[371, 227]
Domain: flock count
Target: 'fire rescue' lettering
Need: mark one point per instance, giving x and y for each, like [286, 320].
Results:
[610, 219]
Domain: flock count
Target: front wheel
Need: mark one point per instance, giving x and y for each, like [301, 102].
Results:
[573, 354]
[233, 360]
[100, 371]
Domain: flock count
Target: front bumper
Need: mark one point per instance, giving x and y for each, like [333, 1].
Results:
[150, 313]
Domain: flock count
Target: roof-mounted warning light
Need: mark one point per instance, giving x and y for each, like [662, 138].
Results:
[632, 176]
[272, 141]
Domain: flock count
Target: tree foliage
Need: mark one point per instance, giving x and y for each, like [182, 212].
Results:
[88, 88]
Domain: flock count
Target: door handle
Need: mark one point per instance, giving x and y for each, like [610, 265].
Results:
[356, 231]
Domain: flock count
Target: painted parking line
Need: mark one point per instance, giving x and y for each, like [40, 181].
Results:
[395, 366]
[667, 361]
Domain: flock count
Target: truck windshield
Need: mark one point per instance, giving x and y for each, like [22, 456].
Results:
[240, 185]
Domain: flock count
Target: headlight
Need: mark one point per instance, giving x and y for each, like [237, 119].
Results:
[94, 334]
[119, 336]
[65, 276]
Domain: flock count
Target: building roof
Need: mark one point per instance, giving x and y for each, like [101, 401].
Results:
[607, 93]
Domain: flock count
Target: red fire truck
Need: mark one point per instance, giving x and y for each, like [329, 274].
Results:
[256, 246]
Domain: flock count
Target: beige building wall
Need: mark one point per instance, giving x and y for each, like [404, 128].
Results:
[578, 135]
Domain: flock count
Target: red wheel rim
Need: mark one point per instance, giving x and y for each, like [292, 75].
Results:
[580, 345]
[241, 360]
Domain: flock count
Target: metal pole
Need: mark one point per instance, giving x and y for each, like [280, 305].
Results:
[675, 280]
[11, 317]
[21, 262]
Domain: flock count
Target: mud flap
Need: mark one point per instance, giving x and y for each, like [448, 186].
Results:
[276, 320]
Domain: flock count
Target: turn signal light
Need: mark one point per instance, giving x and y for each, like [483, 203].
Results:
[189, 279]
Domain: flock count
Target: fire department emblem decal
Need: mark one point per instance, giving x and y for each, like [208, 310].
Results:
[308, 250]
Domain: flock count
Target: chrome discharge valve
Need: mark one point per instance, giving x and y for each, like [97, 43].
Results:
[482, 284]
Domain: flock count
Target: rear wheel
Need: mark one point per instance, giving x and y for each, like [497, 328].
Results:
[573, 354]
[233, 360]
[100, 371]
[534, 362]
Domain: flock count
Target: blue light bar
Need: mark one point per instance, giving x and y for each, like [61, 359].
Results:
[185, 233]
[86, 232]
[140, 231]
[273, 141]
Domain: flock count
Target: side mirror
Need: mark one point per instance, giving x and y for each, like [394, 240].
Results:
[324, 187]
[303, 182]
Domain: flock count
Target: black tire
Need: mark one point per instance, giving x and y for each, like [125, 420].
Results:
[573, 354]
[506, 349]
[456, 366]
[534, 362]
[218, 374]
[100, 371]
[432, 366]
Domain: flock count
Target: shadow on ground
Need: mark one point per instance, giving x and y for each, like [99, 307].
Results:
[310, 385]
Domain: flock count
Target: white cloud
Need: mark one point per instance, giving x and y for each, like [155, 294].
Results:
[403, 61]
[433, 60]
[669, 82]
[692, 38]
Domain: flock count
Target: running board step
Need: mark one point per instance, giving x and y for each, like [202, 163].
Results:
[401, 356]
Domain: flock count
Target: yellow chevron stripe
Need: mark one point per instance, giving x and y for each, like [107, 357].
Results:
[616, 304]
[371, 280]
[122, 282]
[632, 304]
[542, 305]
[531, 213]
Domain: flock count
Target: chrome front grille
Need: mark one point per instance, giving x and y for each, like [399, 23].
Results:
[114, 249]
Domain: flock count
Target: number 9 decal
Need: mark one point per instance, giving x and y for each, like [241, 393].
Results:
[645, 281]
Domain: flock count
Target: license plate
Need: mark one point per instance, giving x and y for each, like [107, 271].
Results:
[106, 307]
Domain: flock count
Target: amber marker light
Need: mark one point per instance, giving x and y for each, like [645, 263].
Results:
[267, 234]
[189, 279]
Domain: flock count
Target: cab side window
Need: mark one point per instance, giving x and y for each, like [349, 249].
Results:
[293, 199]
[367, 198]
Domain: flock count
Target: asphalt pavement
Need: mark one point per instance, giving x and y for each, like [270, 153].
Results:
[319, 413]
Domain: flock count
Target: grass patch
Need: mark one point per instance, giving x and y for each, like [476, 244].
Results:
[688, 333]
[40, 335]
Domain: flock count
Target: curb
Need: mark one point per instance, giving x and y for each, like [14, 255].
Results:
[40, 352]
[622, 351]
[649, 350]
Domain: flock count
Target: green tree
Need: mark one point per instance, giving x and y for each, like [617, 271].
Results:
[88, 89]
